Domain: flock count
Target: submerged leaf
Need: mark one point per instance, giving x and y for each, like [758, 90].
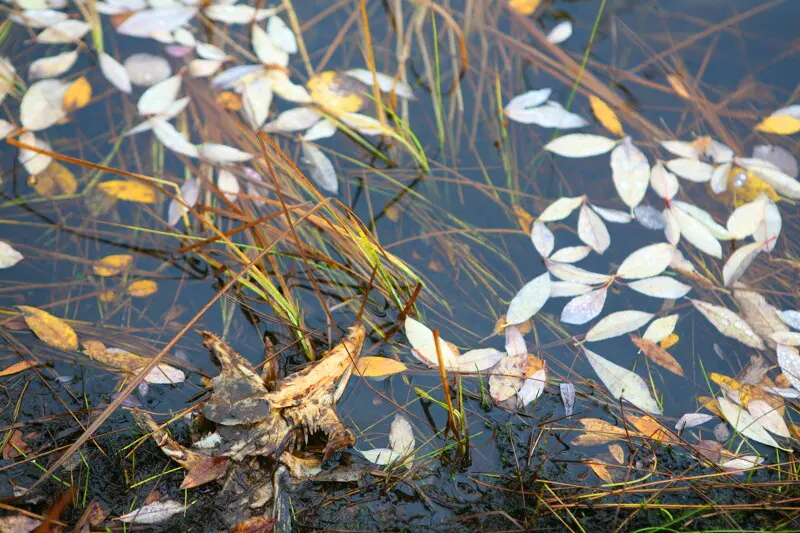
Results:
[132, 191]
[322, 172]
[111, 265]
[622, 383]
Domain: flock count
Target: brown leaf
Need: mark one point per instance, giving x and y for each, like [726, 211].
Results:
[202, 470]
[257, 524]
[657, 354]
[617, 452]
[55, 180]
[93, 515]
[650, 428]
[50, 329]
[15, 447]
[600, 471]
[18, 367]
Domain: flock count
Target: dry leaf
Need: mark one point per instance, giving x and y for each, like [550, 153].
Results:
[600, 471]
[54, 180]
[132, 191]
[617, 453]
[17, 368]
[606, 116]
[78, 95]
[111, 265]
[378, 367]
[597, 431]
[50, 329]
[142, 288]
[658, 354]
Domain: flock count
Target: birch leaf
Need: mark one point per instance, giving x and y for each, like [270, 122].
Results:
[729, 324]
[606, 116]
[542, 238]
[696, 233]
[738, 262]
[691, 169]
[115, 73]
[657, 354]
[630, 172]
[550, 115]
[664, 182]
[592, 230]
[576, 274]
[567, 397]
[617, 324]
[584, 308]
[53, 66]
[766, 415]
[561, 208]
[560, 33]
[690, 420]
[322, 171]
[571, 254]
[661, 287]
[50, 329]
[745, 424]
[158, 98]
[154, 513]
[789, 361]
[579, 145]
[661, 328]
[648, 261]
[9, 256]
[561, 289]
[622, 383]
[529, 300]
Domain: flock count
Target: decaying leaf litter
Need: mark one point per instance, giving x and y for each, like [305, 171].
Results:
[711, 221]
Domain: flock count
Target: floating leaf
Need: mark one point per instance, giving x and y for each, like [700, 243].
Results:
[173, 139]
[719, 178]
[42, 106]
[525, 7]
[746, 218]
[779, 124]
[542, 238]
[729, 324]
[578, 145]
[478, 360]
[560, 33]
[658, 354]
[228, 184]
[630, 172]
[663, 182]
[597, 431]
[162, 374]
[778, 156]
[236, 13]
[53, 66]
[54, 180]
[291, 120]
[789, 361]
[386, 83]
[421, 339]
[34, 162]
[691, 169]
[661, 287]
[154, 513]
[779, 180]
[529, 300]
[571, 254]
[520, 104]
[401, 439]
[149, 21]
[16, 368]
[622, 383]
[669, 341]
[738, 262]
[696, 233]
[158, 98]
[567, 397]
[768, 418]
[142, 288]
[681, 149]
[650, 217]
[562, 289]
[592, 230]
[50, 329]
[648, 261]
[9, 256]
[584, 308]
[378, 367]
[19, 523]
[769, 229]
[507, 377]
[660, 328]
[146, 70]
[515, 342]
[322, 172]
[550, 115]
[381, 456]
[190, 191]
[606, 116]
[617, 324]
[132, 191]
[791, 318]
[535, 381]
[561, 208]
[576, 274]
[690, 420]
[115, 73]
[220, 153]
[745, 424]
[612, 215]
[64, 31]
[111, 265]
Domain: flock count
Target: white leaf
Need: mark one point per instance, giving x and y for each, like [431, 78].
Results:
[381, 456]
[322, 172]
[53, 66]
[34, 162]
[507, 377]
[477, 360]
[115, 73]
[560, 289]
[228, 184]
[592, 231]
[7, 77]
[612, 215]
[579, 145]
[571, 254]
[769, 229]
[41, 106]
[209, 51]
[281, 34]
[190, 192]
[267, 50]
[529, 300]
[560, 33]
[738, 262]
[660, 328]
[515, 342]
[236, 13]
[163, 375]
[792, 111]
[719, 178]
[158, 98]
[679, 262]
[401, 439]
[64, 31]
[232, 76]
[672, 228]
[778, 156]
[561, 208]
[718, 152]
[147, 69]
[690, 420]
[386, 83]
[421, 339]
[533, 386]
[702, 216]
[154, 513]
[220, 153]
[524, 101]
[745, 424]
[543, 239]
[296, 119]
[787, 338]
[660, 287]
[745, 219]
[646, 262]
[363, 124]
[696, 233]
[729, 324]
[663, 182]
[8, 255]
[550, 115]
[286, 89]
[617, 324]
[584, 308]
[567, 397]
[745, 462]
[5, 128]
[766, 415]
[173, 139]
[149, 21]
[691, 169]
[576, 274]
[780, 181]
[622, 383]
[184, 37]
[789, 361]
[321, 130]
[257, 97]
[791, 318]
[681, 149]
[630, 172]
[203, 68]
[38, 18]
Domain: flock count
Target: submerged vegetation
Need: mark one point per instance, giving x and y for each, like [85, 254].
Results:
[296, 181]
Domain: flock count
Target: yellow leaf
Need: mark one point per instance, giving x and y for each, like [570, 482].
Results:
[601, 471]
[650, 427]
[617, 452]
[142, 288]
[18, 367]
[111, 265]
[55, 180]
[711, 404]
[328, 91]
[725, 381]
[107, 296]
[77, 95]
[50, 329]
[670, 340]
[780, 125]
[230, 101]
[526, 7]
[677, 85]
[379, 367]
[597, 431]
[132, 191]
[606, 116]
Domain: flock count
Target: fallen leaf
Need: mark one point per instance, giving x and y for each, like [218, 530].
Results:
[115, 73]
[381, 456]
[606, 116]
[669, 341]
[78, 95]
[658, 354]
[560, 33]
[111, 265]
[323, 173]
[421, 339]
[154, 513]
[729, 323]
[737, 263]
[597, 431]
[378, 367]
[768, 417]
[50, 329]
[529, 300]
[142, 288]
[542, 238]
[617, 324]
[9, 256]
[132, 191]
[561, 208]
[622, 383]
[660, 328]
[690, 420]
[55, 180]
[18, 523]
[592, 230]
[789, 361]
[661, 287]
[15, 447]
[630, 172]
[579, 145]
[600, 471]
[567, 391]
[401, 439]
[691, 169]
[780, 125]
[17, 368]
[744, 423]
[648, 261]
[585, 307]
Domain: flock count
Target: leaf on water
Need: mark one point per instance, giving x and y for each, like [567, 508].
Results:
[162, 374]
[648, 261]
[378, 367]
[421, 339]
[16, 368]
[563, 289]
[779, 124]
[584, 308]
[661, 287]
[19, 523]
[158, 98]
[387, 84]
[321, 130]
[142, 288]
[34, 162]
[791, 318]
[664, 182]
[535, 381]
[53, 66]
[131, 191]
[745, 462]
[381, 456]
[769, 229]
[542, 238]
[478, 360]
[50, 329]
[768, 418]
[296, 119]
[42, 106]
[650, 217]
[622, 383]
[153, 513]
[401, 439]
[64, 31]
[696, 233]
[738, 262]
[518, 105]
[578, 145]
[567, 397]
[661, 328]
[657, 354]
[729, 323]
[173, 139]
[571, 254]
[115, 73]
[612, 215]
[54, 180]
[691, 169]
[507, 377]
[778, 156]
[597, 431]
[575, 274]
[148, 21]
[267, 50]
[606, 116]
[745, 219]
[529, 300]
[779, 180]
[9, 256]
[617, 453]
[630, 172]
[681, 149]
[745, 424]
[600, 471]
[257, 97]
[719, 178]
[592, 230]
[560, 33]
[789, 361]
[549, 115]
[111, 265]
[220, 153]
[146, 70]
[561, 208]
[690, 420]
[515, 342]
[617, 324]
[323, 174]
